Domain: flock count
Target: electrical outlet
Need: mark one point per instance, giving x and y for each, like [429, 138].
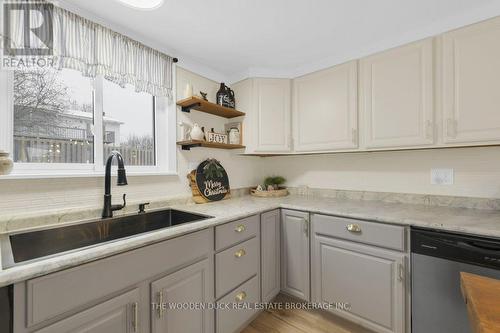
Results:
[442, 176]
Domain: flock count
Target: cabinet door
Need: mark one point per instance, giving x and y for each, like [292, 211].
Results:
[189, 287]
[471, 99]
[397, 97]
[369, 280]
[118, 315]
[243, 91]
[273, 115]
[295, 249]
[270, 254]
[325, 109]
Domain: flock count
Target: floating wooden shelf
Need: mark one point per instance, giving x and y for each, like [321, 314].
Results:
[187, 145]
[199, 104]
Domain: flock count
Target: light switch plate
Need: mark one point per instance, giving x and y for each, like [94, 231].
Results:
[442, 176]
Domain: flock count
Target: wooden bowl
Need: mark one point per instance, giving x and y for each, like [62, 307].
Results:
[282, 192]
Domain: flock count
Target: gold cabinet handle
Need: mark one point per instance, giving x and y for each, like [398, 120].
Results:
[240, 253]
[240, 228]
[160, 304]
[241, 296]
[354, 228]
[135, 319]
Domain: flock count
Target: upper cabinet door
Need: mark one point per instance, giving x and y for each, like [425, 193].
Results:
[325, 109]
[273, 115]
[471, 81]
[397, 97]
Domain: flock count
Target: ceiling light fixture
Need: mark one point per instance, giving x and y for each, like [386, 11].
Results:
[142, 4]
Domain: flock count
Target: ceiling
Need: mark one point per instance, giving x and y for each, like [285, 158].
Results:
[233, 39]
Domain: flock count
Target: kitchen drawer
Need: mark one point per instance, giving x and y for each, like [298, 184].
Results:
[60, 294]
[234, 232]
[236, 317]
[235, 265]
[373, 233]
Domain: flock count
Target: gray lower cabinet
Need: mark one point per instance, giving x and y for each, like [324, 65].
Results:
[359, 267]
[179, 298]
[362, 283]
[114, 294]
[270, 254]
[117, 315]
[237, 273]
[295, 268]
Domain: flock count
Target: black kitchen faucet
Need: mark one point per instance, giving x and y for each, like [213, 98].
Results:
[122, 181]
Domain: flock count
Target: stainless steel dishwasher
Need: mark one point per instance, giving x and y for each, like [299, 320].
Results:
[437, 259]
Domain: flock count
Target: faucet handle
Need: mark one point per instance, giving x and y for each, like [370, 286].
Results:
[119, 207]
[142, 207]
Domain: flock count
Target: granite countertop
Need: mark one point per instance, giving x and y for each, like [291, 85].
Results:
[472, 221]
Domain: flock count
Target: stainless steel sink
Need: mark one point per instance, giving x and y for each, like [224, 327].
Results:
[42, 243]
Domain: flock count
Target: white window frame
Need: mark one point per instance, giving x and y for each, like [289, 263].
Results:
[165, 138]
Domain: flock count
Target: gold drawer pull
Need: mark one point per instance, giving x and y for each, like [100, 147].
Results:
[240, 228]
[354, 228]
[240, 253]
[241, 296]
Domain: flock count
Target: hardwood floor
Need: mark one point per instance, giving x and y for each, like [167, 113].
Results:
[300, 321]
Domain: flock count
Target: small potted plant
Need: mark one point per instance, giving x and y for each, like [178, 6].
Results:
[272, 187]
[274, 183]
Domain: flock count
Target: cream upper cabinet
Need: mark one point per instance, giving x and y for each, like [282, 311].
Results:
[325, 113]
[273, 115]
[397, 106]
[471, 81]
[267, 125]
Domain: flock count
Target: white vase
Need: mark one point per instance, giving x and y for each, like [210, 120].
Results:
[188, 91]
[183, 133]
[6, 163]
[197, 133]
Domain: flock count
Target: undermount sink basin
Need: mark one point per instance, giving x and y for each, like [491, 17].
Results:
[37, 244]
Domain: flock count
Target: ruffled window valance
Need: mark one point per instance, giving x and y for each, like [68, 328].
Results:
[89, 47]
[93, 49]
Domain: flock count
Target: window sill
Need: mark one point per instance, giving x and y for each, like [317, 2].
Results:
[85, 175]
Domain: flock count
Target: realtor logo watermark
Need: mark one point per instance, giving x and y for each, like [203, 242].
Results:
[28, 38]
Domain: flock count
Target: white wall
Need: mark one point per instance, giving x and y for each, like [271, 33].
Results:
[477, 171]
[47, 194]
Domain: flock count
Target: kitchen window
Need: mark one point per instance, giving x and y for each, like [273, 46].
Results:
[95, 91]
[129, 124]
[61, 123]
[53, 117]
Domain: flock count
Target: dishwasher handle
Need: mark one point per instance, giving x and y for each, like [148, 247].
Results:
[479, 251]
[479, 248]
